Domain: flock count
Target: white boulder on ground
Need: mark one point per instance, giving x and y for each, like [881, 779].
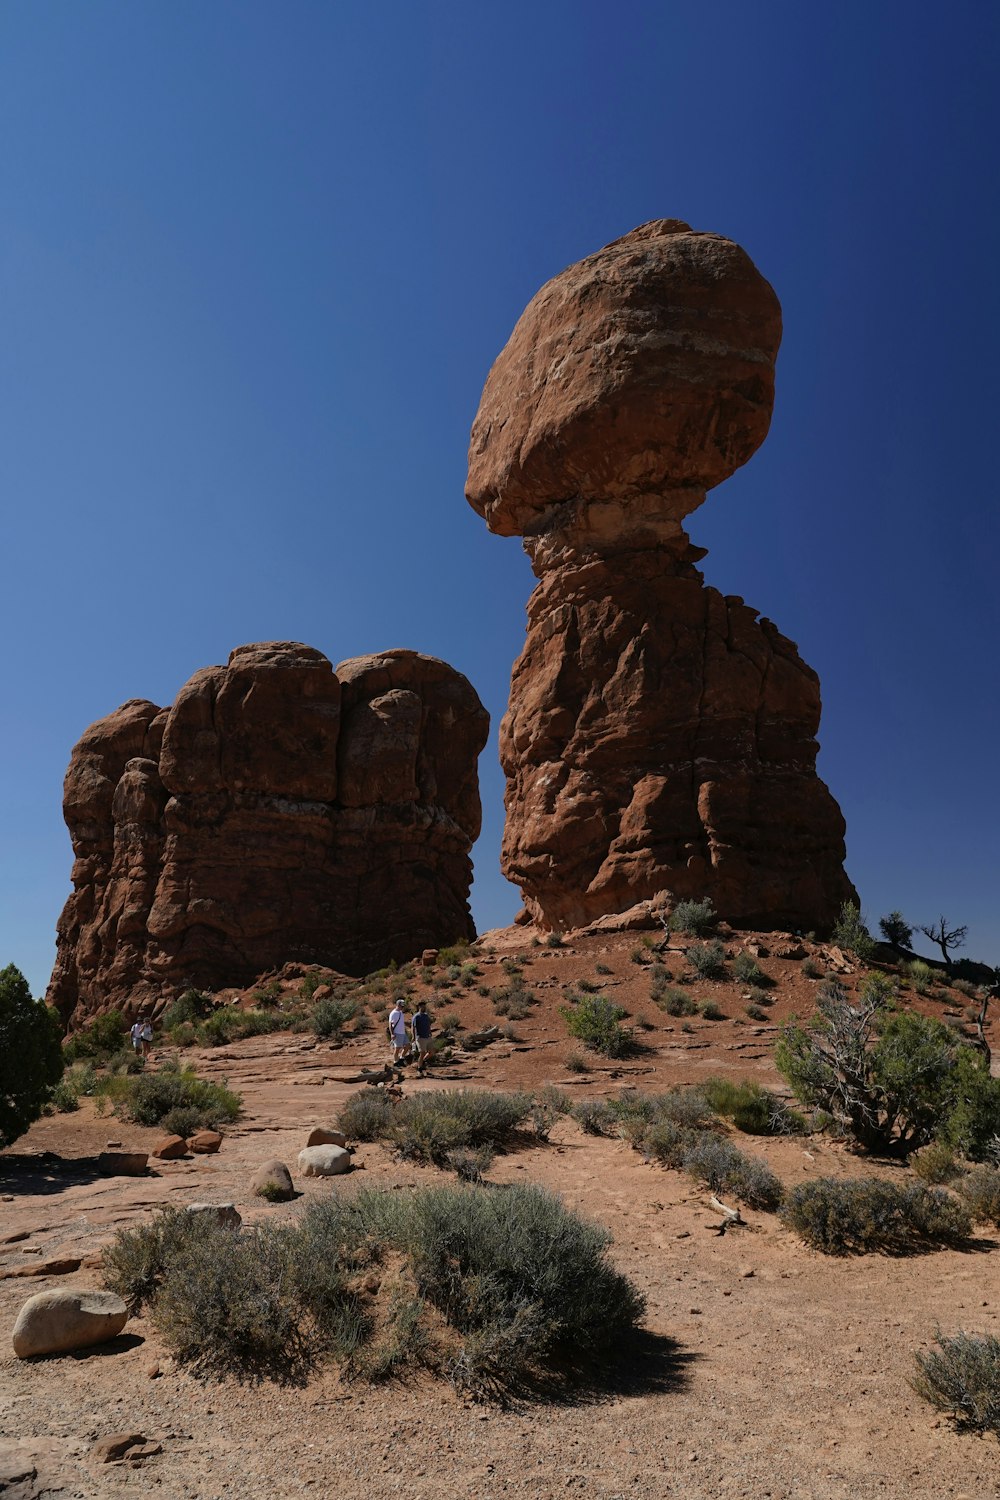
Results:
[273, 1180]
[324, 1161]
[58, 1321]
[226, 1213]
[325, 1135]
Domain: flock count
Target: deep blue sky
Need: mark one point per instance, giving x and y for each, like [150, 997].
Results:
[256, 260]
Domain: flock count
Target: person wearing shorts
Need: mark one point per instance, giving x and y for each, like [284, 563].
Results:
[397, 1033]
[136, 1035]
[422, 1036]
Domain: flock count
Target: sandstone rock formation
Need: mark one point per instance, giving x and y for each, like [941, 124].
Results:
[660, 738]
[280, 809]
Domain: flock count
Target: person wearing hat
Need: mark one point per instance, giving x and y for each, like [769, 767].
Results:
[421, 1036]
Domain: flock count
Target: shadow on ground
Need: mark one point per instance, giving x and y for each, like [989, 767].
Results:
[41, 1173]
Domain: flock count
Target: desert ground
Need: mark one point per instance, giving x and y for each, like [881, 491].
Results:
[768, 1369]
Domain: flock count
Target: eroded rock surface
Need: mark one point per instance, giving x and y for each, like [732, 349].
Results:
[660, 738]
[279, 809]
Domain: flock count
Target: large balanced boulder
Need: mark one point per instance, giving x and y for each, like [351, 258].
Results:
[324, 1161]
[273, 1181]
[280, 810]
[660, 738]
[58, 1321]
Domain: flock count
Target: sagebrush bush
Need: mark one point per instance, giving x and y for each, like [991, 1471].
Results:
[726, 1169]
[183, 1119]
[102, 1037]
[936, 1163]
[708, 959]
[331, 1015]
[676, 1002]
[596, 1022]
[431, 1127]
[366, 1116]
[852, 933]
[857, 1216]
[695, 917]
[980, 1189]
[811, 969]
[752, 1108]
[192, 1006]
[961, 1377]
[514, 1000]
[920, 975]
[748, 971]
[228, 1023]
[146, 1099]
[576, 1062]
[711, 1011]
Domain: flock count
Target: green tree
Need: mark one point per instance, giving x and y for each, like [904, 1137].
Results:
[896, 929]
[30, 1055]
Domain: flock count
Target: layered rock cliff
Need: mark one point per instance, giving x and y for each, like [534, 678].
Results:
[279, 810]
[660, 738]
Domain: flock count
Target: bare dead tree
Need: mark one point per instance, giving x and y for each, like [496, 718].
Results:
[946, 937]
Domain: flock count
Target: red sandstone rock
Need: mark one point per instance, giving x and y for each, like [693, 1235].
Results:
[660, 739]
[205, 1142]
[280, 812]
[170, 1148]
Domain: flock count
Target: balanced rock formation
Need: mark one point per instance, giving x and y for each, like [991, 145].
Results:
[279, 810]
[660, 738]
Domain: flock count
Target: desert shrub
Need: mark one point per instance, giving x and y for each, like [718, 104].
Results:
[31, 1058]
[752, 1108]
[980, 1190]
[757, 996]
[595, 1117]
[936, 1163]
[965, 987]
[748, 971]
[726, 1169]
[576, 1062]
[331, 1015]
[183, 1119]
[63, 1099]
[596, 1022]
[602, 969]
[555, 940]
[708, 959]
[193, 1005]
[136, 1259]
[229, 1023]
[961, 1377]
[430, 1126]
[892, 1079]
[695, 917]
[125, 1060]
[454, 953]
[863, 1215]
[852, 933]
[510, 966]
[514, 1000]
[99, 1040]
[756, 1012]
[711, 1011]
[184, 1035]
[919, 974]
[639, 954]
[148, 1098]
[811, 969]
[471, 1163]
[366, 1116]
[676, 1003]
[588, 986]
[896, 929]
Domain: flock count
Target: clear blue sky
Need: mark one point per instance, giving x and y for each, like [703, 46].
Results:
[256, 260]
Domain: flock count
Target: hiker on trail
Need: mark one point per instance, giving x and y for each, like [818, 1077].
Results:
[147, 1035]
[397, 1033]
[136, 1035]
[422, 1036]
[142, 1036]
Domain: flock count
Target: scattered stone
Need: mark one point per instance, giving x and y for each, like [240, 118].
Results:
[62, 1266]
[12, 1239]
[170, 1148]
[322, 992]
[108, 1449]
[123, 1163]
[429, 957]
[225, 1213]
[205, 1142]
[273, 1180]
[57, 1321]
[325, 1135]
[153, 1371]
[747, 1271]
[112, 1145]
[324, 1161]
[15, 1468]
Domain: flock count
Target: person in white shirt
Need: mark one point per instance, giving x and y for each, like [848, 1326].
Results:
[136, 1035]
[397, 1032]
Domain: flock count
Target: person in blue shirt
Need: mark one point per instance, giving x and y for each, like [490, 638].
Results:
[421, 1036]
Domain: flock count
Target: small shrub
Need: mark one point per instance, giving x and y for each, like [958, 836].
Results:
[104, 1036]
[555, 940]
[64, 1098]
[429, 1127]
[595, 1117]
[366, 1116]
[589, 986]
[596, 1022]
[602, 969]
[711, 1012]
[919, 974]
[229, 1023]
[183, 1035]
[708, 959]
[936, 1163]
[748, 971]
[896, 929]
[696, 917]
[331, 1015]
[515, 1000]
[961, 1377]
[193, 1005]
[851, 932]
[677, 1003]
[756, 1012]
[752, 1108]
[811, 969]
[980, 1189]
[639, 955]
[966, 988]
[183, 1120]
[726, 1169]
[576, 1062]
[862, 1215]
[470, 1164]
[148, 1098]
[454, 953]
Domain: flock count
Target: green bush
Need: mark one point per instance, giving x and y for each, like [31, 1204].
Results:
[676, 1002]
[515, 1000]
[193, 1005]
[896, 929]
[811, 969]
[602, 969]
[366, 1116]
[962, 1378]
[756, 1012]
[695, 917]
[231, 1024]
[708, 959]
[576, 1062]
[752, 1108]
[919, 974]
[841, 1217]
[748, 971]
[851, 932]
[149, 1098]
[595, 1117]
[596, 1022]
[104, 1036]
[966, 988]
[892, 1079]
[726, 1169]
[936, 1163]
[711, 1011]
[980, 1189]
[430, 1127]
[183, 1120]
[331, 1015]
[78, 1082]
[31, 1058]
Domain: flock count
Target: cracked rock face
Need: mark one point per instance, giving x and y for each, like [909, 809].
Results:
[279, 810]
[660, 738]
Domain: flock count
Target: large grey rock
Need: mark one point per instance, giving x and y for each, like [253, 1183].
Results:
[225, 1213]
[324, 1161]
[57, 1321]
[325, 1135]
